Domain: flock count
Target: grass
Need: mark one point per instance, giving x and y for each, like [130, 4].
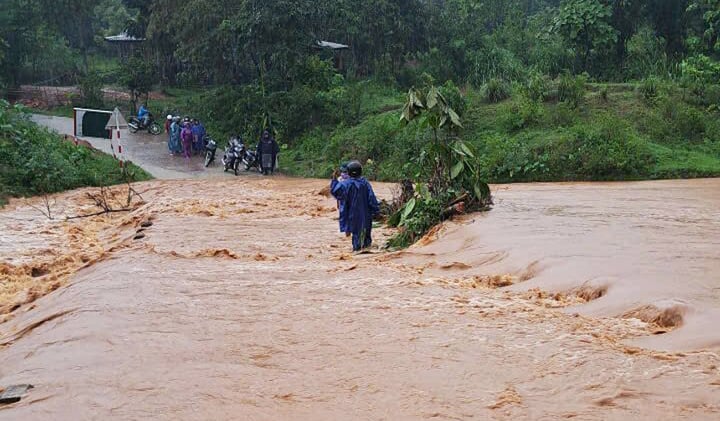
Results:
[613, 135]
[35, 161]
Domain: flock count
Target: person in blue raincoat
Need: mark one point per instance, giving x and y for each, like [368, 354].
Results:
[360, 205]
[340, 176]
[143, 115]
[198, 131]
[175, 146]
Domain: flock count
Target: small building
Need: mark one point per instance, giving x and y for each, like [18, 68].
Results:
[124, 43]
[336, 50]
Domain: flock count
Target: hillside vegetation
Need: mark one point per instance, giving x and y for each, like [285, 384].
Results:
[546, 90]
[36, 161]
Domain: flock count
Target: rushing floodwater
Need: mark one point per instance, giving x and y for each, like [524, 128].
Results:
[644, 243]
[242, 302]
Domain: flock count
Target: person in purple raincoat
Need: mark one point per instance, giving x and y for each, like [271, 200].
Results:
[187, 138]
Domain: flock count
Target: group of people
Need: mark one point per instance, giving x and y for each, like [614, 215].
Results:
[357, 204]
[186, 136]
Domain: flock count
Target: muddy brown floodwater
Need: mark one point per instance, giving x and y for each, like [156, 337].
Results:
[241, 301]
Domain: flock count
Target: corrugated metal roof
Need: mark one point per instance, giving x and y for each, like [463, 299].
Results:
[332, 45]
[124, 37]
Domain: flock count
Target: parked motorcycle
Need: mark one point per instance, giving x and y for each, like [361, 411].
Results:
[210, 148]
[251, 159]
[232, 158]
[135, 124]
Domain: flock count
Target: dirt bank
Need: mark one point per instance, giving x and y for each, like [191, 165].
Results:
[242, 301]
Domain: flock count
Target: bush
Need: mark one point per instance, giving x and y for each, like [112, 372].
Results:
[645, 54]
[604, 93]
[455, 98]
[649, 88]
[91, 91]
[520, 114]
[607, 149]
[35, 161]
[563, 115]
[571, 89]
[537, 87]
[496, 90]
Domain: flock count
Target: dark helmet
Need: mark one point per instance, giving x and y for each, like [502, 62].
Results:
[354, 169]
[344, 167]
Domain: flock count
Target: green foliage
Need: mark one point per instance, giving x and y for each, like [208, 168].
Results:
[520, 114]
[607, 150]
[604, 94]
[649, 88]
[537, 87]
[496, 90]
[699, 72]
[585, 25]
[35, 161]
[91, 91]
[449, 168]
[138, 75]
[571, 89]
[646, 54]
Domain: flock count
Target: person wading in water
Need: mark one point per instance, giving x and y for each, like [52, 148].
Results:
[360, 205]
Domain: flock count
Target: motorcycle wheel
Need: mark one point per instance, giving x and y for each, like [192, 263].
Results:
[133, 129]
[209, 157]
[155, 129]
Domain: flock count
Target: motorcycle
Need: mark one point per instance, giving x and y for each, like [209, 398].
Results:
[233, 155]
[152, 127]
[251, 159]
[210, 148]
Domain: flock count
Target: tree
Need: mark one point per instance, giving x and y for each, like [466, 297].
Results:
[585, 25]
[138, 75]
[710, 12]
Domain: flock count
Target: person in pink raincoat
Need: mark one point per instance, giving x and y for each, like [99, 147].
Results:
[187, 138]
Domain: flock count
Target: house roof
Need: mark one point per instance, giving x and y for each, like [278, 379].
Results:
[124, 37]
[332, 45]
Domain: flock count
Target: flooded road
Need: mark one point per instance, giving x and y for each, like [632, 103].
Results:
[645, 249]
[149, 152]
[242, 301]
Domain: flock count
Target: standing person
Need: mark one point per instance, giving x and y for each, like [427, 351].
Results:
[267, 149]
[340, 176]
[197, 144]
[202, 133]
[187, 138]
[175, 145]
[361, 205]
[168, 122]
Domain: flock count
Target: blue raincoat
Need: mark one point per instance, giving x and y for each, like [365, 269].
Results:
[341, 203]
[360, 207]
[174, 145]
[198, 131]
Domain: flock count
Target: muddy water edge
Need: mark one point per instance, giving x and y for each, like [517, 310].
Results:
[239, 299]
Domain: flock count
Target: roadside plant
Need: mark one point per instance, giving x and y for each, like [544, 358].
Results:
[450, 178]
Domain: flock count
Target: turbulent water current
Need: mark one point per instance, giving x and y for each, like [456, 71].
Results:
[237, 298]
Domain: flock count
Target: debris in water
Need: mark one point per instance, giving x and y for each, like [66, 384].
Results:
[14, 393]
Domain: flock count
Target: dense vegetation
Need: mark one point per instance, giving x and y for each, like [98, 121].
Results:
[35, 161]
[547, 89]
